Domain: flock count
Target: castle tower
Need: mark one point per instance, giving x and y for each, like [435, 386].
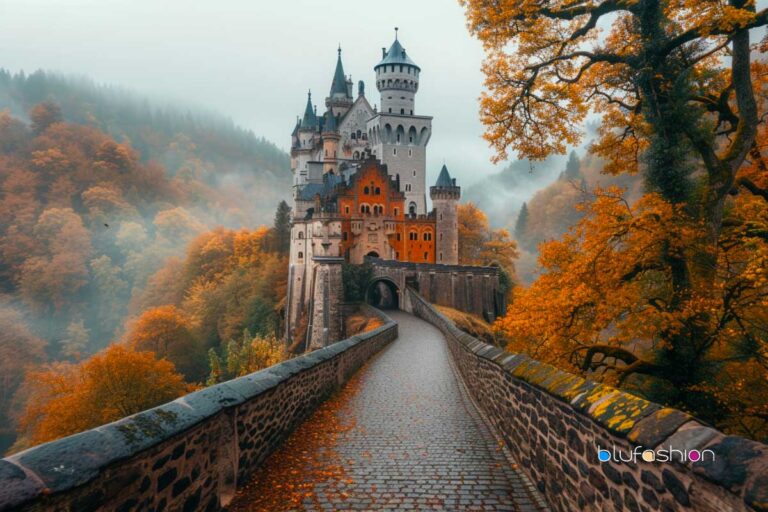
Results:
[302, 143]
[445, 199]
[331, 139]
[398, 136]
[339, 100]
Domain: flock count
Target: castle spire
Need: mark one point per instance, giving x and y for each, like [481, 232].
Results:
[339, 83]
[310, 119]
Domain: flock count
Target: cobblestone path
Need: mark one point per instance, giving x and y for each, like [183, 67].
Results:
[403, 435]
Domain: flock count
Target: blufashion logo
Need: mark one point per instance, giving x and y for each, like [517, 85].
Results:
[663, 454]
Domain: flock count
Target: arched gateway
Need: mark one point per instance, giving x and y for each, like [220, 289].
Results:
[383, 293]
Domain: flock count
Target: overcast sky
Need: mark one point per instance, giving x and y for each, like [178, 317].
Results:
[254, 60]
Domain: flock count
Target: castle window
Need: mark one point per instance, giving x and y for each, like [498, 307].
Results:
[398, 237]
[414, 173]
[397, 212]
[410, 139]
[441, 216]
[413, 235]
[426, 255]
[441, 237]
[346, 209]
[301, 255]
[390, 110]
[402, 111]
[353, 136]
[301, 235]
[407, 187]
[427, 236]
[394, 151]
[411, 111]
[377, 191]
[410, 152]
[441, 256]
[366, 190]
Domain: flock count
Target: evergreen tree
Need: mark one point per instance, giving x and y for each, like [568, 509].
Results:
[282, 228]
[522, 223]
[572, 168]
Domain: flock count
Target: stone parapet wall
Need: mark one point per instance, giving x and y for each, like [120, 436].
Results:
[188, 454]
[554, 422]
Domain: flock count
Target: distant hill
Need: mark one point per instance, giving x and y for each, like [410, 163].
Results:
[253, 172]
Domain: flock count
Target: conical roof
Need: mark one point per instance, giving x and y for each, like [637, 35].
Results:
[310, 119]
[444, 179]
[396, 55]
[339, 83]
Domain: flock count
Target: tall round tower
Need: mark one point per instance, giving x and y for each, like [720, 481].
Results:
[397, 79]
[445, 199]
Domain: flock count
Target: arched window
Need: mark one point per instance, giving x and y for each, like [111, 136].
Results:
[413, 235]
[397, 212]
[346, 209]
[353, 136]
[366, 190]
[402, 111]
[377, 191]
[412, 207]
[427, 236]
[301, 255]
[301, 235]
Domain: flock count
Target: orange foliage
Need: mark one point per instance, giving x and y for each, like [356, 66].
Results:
[117, 382]
[164, 331]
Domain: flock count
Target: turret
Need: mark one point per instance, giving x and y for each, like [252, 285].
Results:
[331, 139]
[397, 78]
[339, 99]
[445, 196]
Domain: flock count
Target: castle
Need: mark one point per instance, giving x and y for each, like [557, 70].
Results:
[359, 190]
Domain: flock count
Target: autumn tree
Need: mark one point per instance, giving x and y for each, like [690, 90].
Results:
[481, 245]
[165, 332]
[20, 349]
[244, 356]
[472, 230]
[675, 87]
[65, 399]
[44, 115]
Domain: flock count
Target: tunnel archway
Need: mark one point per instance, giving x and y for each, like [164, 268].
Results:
[383, 293]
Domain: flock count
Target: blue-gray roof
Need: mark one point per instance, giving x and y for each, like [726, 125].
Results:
[444, 179]
[310, 119]
[325, 189]
[396, 55]
[339, 83]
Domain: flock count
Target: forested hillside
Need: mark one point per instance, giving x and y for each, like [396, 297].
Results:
[101, 198]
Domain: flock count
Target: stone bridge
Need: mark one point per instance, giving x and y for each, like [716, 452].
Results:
[434, 420]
